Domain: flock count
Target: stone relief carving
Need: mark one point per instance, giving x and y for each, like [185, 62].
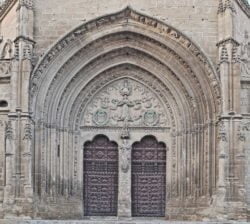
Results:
[245, 56]
[27, 132]
[5, 67]
[9, 130]
[246, 127]
[125, 150]
[222, 132]
[241, 133]
[125, 100]
[7, 50]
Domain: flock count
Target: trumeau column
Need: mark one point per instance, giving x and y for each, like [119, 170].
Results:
[231, 162]
[19, 129]
[124, 196]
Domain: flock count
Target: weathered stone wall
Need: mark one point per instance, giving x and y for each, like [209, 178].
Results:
[60, 173]
[242, 35]
[9, 24]
[242, 24]
[197, 19]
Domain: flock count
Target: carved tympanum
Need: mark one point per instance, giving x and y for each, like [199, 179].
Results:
[125, 100]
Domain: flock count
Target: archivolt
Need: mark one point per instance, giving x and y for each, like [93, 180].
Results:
[126, 44]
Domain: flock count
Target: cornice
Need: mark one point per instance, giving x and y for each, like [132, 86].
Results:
[244, 5]
[5, 7]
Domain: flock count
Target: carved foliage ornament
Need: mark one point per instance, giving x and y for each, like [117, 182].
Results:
[125, 101]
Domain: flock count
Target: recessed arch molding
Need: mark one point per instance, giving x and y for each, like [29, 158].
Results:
[96, 72]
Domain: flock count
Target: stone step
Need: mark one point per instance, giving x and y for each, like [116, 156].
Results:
[113, 221]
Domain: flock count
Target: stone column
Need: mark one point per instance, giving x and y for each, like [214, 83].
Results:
[9, 191]
[19, 128]
[124, 195]
[231, 162]
[223, 162]
[26, 157]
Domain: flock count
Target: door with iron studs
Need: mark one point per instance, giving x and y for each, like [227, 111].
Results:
[100, 177]
[148, 178]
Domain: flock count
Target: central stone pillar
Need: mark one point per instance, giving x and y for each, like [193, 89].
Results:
[124, 194]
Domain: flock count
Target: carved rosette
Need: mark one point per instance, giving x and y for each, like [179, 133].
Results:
[125, 100]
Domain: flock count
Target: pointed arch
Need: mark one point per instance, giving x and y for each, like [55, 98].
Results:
[136, 46]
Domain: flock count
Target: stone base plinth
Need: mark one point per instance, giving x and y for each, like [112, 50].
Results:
[113, 221]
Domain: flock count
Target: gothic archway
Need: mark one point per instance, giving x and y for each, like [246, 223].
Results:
[100, 177]
[149, 178]
[67, 99]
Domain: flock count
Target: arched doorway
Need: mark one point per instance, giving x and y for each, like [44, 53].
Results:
[82, 99]
[148, 178]
[100, 177]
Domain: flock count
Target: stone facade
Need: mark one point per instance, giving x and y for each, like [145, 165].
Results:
[148, 99]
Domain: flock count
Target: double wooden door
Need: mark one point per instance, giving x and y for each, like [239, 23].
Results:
[101, 177]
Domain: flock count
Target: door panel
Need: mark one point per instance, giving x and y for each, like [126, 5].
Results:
[148, 178]
[100, 177]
